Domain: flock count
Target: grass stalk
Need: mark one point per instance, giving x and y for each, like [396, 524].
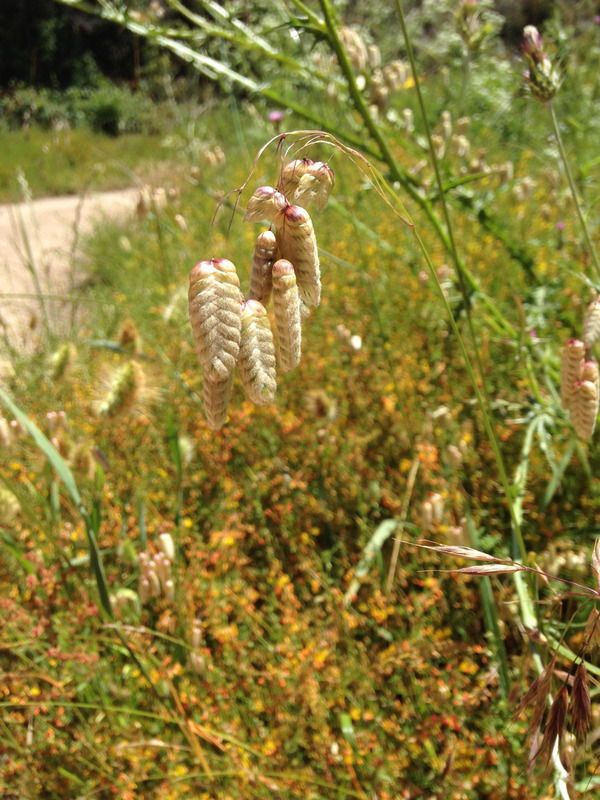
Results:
[573, 188]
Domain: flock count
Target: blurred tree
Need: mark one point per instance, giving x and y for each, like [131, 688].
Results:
[43, 43]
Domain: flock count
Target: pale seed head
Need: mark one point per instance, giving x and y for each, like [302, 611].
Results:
[573, 354]
[263, 258]
[591, 324]
[214, 300]
[298, 244]
[256, 362]
[583, 408]
[286, 305]
[264, 204]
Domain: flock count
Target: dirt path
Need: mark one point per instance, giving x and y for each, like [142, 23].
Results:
[46, 233]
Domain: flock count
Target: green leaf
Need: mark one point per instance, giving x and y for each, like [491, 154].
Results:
[66, 476]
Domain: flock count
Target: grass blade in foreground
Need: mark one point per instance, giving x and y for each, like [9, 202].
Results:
[66, 476]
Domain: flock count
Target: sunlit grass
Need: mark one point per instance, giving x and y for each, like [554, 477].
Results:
[260, 678]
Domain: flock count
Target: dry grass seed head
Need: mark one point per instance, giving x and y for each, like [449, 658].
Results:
[298, 244]
[125, 389]
[537, 696]
[315, 185]
[580, 707]
[265, 203]
[291, 174]
[216, 401]
[555, 724]
[583, 408]
[571, 363]
[286, 305]
[256, 362]
[263, 258]
[591, 324]
[215, 307]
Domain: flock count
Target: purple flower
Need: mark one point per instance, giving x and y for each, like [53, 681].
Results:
[560, 225]
[276, 116]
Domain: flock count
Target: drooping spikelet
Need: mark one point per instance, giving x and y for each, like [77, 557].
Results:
[256, 362]
[124, 390]
[292, 172]
[216, 400]
[591, 324]
[570, 369]
[215, 305]
[584, 408]
[287, 315]
[589, 372]
[315, 185]
[265, 203]
[298, 244]
[263, 258]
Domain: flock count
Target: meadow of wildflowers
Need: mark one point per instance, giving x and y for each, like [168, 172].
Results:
[305, 504]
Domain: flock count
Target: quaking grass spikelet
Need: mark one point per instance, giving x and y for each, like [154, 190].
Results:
[298, 244]
[584, 408]
[589, 372]
[263, 258]
[265, 203]
[125, 388]
[570, 369]
[287, 315]
[315, 185]
[215, 306]
[591, 324]
[256, 362]
[216, 401]
[292, 173]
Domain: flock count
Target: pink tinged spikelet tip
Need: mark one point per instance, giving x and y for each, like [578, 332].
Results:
[201, 270]
[253, 307]
[296, 214]
[282, 267]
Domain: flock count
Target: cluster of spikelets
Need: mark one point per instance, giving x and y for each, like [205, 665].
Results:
[230, 331]
[579, 383]
[155, 578]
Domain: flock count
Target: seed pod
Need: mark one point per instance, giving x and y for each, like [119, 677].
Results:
[570, 369]
[292, 172]
[216, 401]
[216, 315]
[298, 244]
[287, 315]
[315, 185]
[125, 389]
[265, 203]
[589, 372]
[256, 363]
[591, 324]
[263, 258]
[584, 408]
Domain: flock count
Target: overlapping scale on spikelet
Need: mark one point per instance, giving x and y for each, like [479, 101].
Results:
[314, 186]
[265, 203]
[591, 324]
[257, 361]
[292, 173]
[584, 408]
[216, 397]
[573, 355]
[263, 258]
[215, 300]
[298, 244]
[287, 315]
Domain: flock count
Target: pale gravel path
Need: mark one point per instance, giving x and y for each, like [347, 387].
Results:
[54, 227]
